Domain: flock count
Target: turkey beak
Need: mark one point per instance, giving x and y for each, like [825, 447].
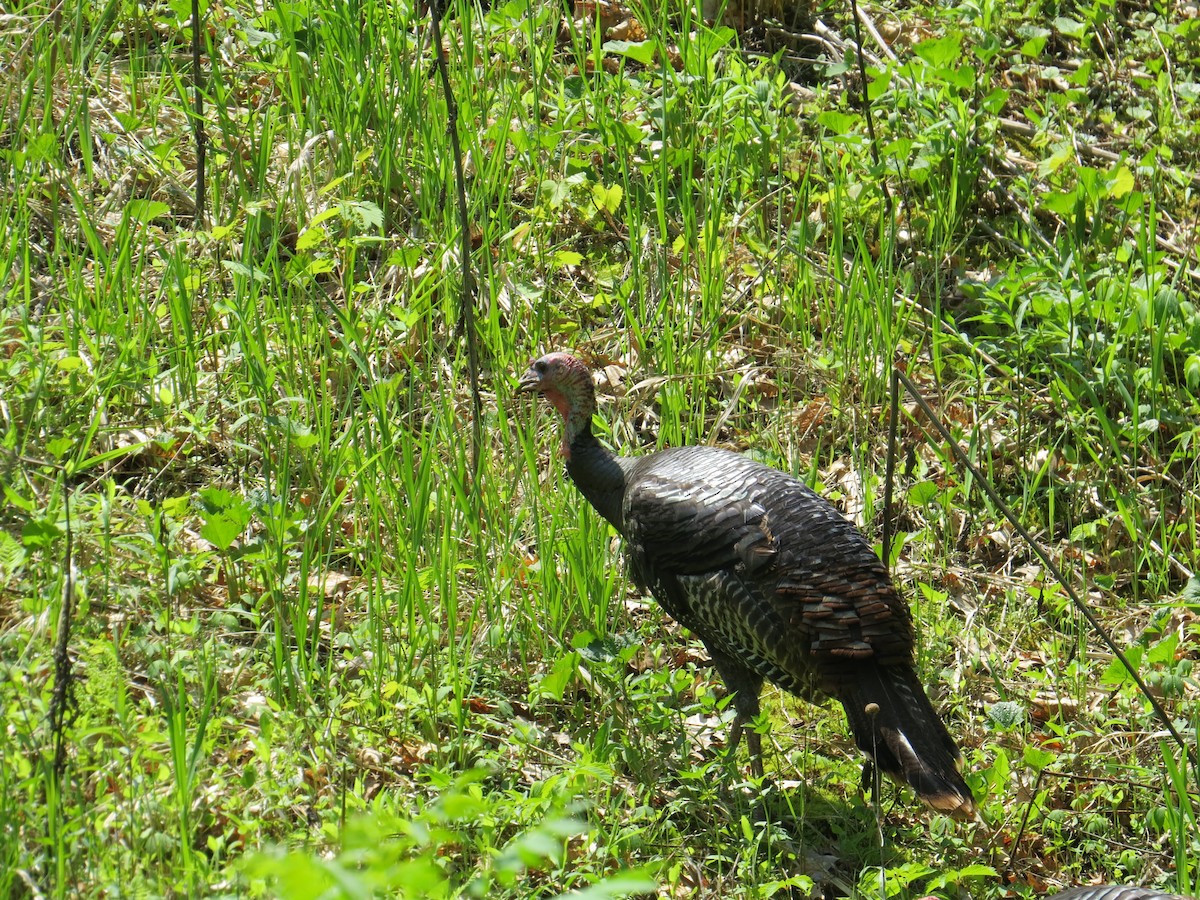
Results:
[530, 381]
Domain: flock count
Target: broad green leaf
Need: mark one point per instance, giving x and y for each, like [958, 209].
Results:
[961, 77]
[226, 516]
[634, 133]
[639, 51]
[331, 186]
[582, 639]
[237, 268]
[838, 122]
[1116, 673]
[1064, 153]
[512, 11]
[1191, 590]
[940, 52]
[783, 887]
[1062, 202]
[40, 533]
[931, 593]
[324, 216]
[300, 876]
[1132, 203]
[1163, 653]
[405, 257]
[554, 683]
[922, 492]
[623, 884]
[711, 40]
[300, 434]
[1006, 714]
[994, 101]
[368, 216]
[310, 237]
[462, 805]
[12, 555]
[879, 82]
[144, 211]
[1091, 182]
[1036, 758]
[42, 149]
[1070, 27]
[1082, 76]
[554, 193]
[954, 876]
[897, 149]
[1120, 182]
[1034, 46]
[607, 198]
[1191, 371]
[319, 266]
[567, 258]
[176, 507]
[978, 870]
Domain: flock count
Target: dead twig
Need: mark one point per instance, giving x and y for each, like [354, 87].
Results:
[466, 322]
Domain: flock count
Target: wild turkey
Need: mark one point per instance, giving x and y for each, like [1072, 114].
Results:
[771, 578]
[1112, 892]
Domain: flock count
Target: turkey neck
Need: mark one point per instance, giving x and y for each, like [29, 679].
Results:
[599, 475]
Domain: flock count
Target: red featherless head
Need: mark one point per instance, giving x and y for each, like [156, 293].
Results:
[566, 382]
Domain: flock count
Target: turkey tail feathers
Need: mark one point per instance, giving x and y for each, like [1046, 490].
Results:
[895, 724]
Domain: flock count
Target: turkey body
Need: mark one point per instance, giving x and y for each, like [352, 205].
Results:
[775, 582]
[1112, 892]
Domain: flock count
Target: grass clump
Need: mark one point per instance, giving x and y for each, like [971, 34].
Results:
[315, 648]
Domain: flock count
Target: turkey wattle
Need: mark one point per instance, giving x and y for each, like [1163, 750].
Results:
[775, 582]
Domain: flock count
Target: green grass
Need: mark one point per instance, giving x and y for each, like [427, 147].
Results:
[316, 650]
